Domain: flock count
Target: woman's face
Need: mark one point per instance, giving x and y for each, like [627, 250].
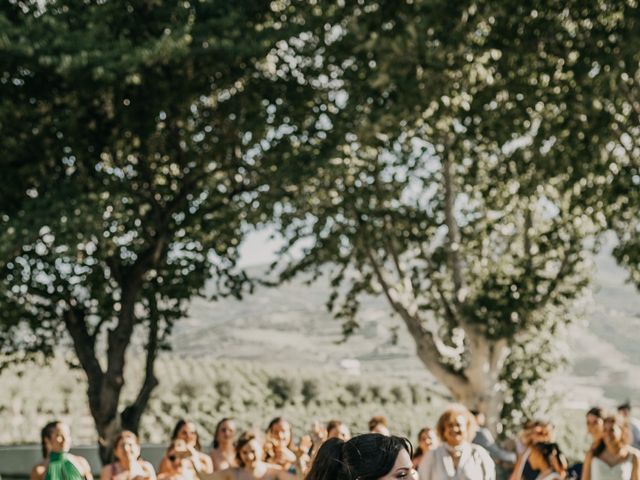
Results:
[250, 453]
[612, 432]
[402, 468]
[227, 432]
[341, 431]
[281, 433]
[427, 439]
[127, 448]
[188, 433]
[455, 430]
[594, 426]
[60, 439]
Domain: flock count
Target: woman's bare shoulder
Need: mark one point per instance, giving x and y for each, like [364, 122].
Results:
[38, 471]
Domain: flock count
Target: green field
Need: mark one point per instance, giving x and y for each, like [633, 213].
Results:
[207, 390]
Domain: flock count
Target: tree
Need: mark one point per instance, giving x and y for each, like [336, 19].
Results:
[458, 191]
[139, 139]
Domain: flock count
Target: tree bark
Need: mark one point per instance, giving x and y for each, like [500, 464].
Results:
[131, 415]
[476, 385]
[105, 385]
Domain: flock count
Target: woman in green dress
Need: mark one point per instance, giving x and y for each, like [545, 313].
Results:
[59, 464]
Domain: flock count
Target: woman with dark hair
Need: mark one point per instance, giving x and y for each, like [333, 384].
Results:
[59, 464]
[548, 460]
[456, 457]
[128, 464]
[426, 441]
[613, 457]
[534, 431]
[279, 447]
[594, 421]
[370, 456]
[223, 454]
[186, 431]
[177, 462]
[250, 464]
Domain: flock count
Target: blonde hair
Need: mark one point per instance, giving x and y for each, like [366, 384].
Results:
[457, 410]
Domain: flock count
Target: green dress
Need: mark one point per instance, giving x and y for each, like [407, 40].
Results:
[61, 468]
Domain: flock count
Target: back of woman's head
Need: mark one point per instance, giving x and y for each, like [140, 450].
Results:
[364, 457]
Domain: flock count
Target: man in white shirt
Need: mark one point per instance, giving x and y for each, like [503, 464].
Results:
[634, 423]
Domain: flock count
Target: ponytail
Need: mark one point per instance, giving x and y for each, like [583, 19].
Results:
[45, 434]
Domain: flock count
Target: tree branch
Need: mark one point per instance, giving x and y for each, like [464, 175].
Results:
[132, 414]
[84, 346]
[453, 232]
[425, 340]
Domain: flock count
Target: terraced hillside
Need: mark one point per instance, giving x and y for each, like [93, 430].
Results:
[242, 359]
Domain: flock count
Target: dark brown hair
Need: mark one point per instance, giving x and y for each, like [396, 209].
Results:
[46, 433]
[181, 423]
[364, 457]
[216, 443]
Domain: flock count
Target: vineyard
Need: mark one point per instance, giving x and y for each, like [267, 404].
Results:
[207, 390]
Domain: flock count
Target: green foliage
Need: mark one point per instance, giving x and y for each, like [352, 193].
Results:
[141, 141]
[355, 389]
[310, 391]
[469, 175]
[283, 390]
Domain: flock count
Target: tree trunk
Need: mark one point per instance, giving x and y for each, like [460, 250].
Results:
[105, 386]
[477, 386]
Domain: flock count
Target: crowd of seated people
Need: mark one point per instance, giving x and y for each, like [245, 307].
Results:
[458, 447]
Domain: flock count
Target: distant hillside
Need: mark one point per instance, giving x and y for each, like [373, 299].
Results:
[227, 353]
[290, 325]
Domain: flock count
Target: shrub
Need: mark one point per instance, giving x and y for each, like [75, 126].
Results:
[355, 389]
[310, 390]
[282, 390]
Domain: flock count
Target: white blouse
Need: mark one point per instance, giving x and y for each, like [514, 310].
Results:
[475, 464]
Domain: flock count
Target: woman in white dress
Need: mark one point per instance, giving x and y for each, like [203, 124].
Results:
[613, 458]
[457, 458]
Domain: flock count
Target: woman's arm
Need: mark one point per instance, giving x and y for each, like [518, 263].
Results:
[586, 466]
[635, 471]
[105, 473]
[516, 474]
[164, 465]
[144, 471]
[206, 462]
[38, 472]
